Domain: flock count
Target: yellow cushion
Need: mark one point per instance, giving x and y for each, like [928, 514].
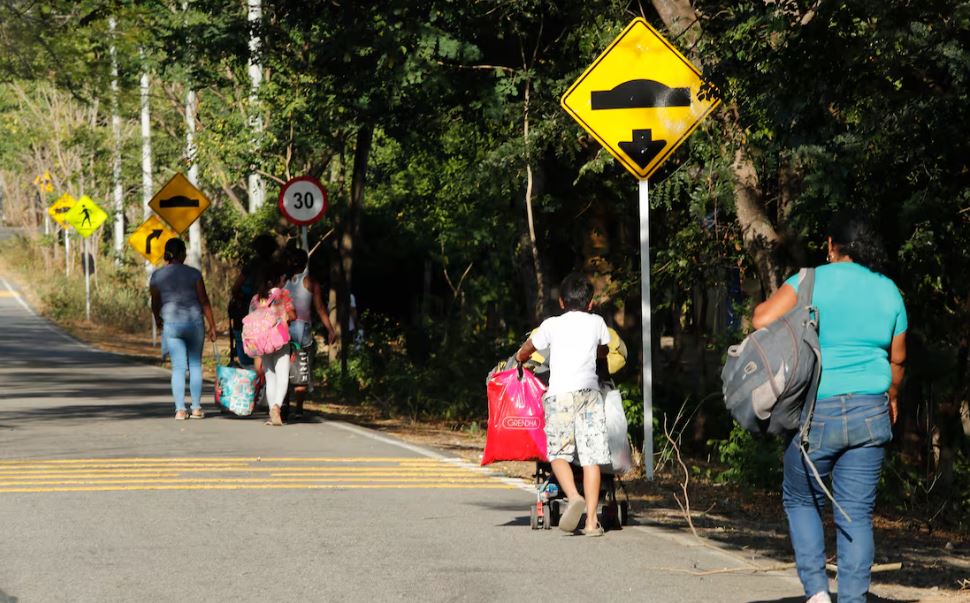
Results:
[615, 359]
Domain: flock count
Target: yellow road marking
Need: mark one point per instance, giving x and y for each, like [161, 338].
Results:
[158, 467]
[175, 473]
[242, 480]
[322, 459]
[4, 478]
[492, 485]
[258, 470]
[298, 477]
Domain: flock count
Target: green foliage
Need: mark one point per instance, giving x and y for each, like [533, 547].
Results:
[864, 105]
[399, 371]
[751, 462]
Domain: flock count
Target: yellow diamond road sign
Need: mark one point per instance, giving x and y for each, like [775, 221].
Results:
[640, 99]
[150, 238]
[58, 209]
[179, 203]
[85, 216]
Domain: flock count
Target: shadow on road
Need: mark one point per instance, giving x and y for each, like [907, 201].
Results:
[835, 599]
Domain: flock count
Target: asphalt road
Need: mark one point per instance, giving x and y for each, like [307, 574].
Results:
[104, 497]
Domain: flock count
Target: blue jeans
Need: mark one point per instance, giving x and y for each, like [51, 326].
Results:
[184, 343]
[847, 442]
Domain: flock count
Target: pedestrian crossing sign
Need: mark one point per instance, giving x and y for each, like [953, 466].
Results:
[58, 210]
[179, 203]
[149, 239]
[85, 216]
[640, 99]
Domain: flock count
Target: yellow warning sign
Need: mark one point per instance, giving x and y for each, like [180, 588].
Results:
[44, 182]
[149, 239]
[58, 209]
[85, 216]
[179, 203]
[640, 99]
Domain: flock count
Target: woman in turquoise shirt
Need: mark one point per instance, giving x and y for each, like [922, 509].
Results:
[862, 331]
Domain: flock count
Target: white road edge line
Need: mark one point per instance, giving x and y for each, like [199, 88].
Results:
[6, 284]
[60, 333]
[457, 462]
[685, 540]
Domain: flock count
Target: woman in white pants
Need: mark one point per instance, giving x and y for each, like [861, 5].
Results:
[276, 365]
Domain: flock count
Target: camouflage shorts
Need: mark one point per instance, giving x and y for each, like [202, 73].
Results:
[576, 426]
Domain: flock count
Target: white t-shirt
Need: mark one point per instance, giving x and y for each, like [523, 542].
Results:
[572, 340]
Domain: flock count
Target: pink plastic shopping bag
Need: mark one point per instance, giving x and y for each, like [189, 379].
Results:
[516, 423]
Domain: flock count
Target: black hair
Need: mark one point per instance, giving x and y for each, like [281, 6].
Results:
[576, 292]
[295, 260]
[268, 275]
[174, 249]
[264, 246]
[855, 237]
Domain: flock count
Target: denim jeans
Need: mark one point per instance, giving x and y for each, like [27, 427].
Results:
[184, 343]
[847, 440]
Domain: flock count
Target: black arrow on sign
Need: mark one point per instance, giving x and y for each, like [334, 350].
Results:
[178, 201]
[642, 149]
[148, 240]
[61, 210]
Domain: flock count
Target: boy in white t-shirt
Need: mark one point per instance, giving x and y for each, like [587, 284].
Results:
[574, 411]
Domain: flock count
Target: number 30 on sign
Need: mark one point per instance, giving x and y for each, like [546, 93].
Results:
[303, 200]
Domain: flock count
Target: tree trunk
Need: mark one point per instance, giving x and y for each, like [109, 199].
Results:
[351, 234]
[761, 239]
[538, 309]
[195, 230]
[119, 202]
[257, 189]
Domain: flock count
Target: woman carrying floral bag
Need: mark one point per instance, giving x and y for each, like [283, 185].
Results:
[266, 334]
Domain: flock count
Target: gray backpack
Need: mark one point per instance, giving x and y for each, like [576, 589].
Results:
[769, 376]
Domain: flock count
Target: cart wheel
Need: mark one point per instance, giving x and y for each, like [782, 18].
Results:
[547, 517]
[624, 513]
[608, 515]
[554, 512]
[533, 518]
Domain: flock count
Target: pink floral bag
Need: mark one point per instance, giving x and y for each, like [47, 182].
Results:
[265, 329]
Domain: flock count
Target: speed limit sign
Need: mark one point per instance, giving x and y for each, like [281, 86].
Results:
[303, 200]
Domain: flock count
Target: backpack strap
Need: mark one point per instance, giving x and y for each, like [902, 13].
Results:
[806, 286]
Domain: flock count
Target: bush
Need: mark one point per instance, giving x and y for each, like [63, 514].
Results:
[751, 462]
[418, 372]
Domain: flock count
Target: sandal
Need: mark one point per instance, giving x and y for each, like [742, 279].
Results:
[180, 415]
[274, 417]
[198, 413]
[572, 514]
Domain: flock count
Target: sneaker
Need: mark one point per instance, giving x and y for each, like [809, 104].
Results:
[820, 597]
[274, 416]
[597, 531]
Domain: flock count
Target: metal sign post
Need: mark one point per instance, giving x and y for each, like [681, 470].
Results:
[641, 99]
[67, 253]
[87, 281]
[645, 328]
[303, 239]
